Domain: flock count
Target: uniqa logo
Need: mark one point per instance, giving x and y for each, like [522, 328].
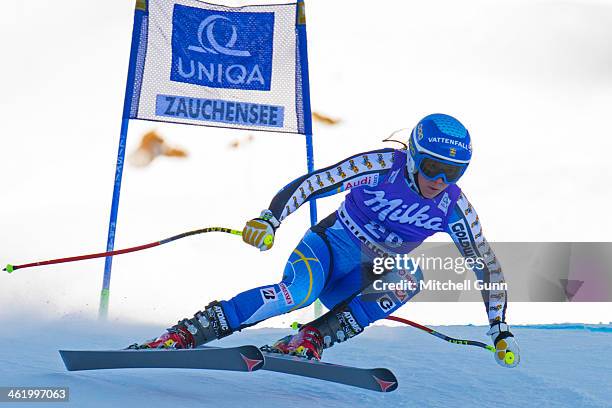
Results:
[208, 25]
[223, 50]
[396, 210]
[235, 73]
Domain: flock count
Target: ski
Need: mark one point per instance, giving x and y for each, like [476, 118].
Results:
[375, 379]
[244, 358]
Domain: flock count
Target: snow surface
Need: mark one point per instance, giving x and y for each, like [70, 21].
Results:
[569, 366]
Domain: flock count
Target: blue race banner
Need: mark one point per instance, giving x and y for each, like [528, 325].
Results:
[212, 65]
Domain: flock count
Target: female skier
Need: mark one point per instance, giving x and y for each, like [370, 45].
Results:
[396, 199]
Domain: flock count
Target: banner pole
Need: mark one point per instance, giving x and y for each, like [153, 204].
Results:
[310, 166]
[303, 54]
[139, 13]
[112, 224]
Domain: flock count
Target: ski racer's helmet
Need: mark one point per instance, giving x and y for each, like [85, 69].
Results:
[439, 147]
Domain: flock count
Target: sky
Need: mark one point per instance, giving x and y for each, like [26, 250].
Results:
[532, 81]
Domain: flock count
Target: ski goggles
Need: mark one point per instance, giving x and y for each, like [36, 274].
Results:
[433, 169]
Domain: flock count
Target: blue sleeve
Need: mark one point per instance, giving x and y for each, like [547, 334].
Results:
[368, 167]
[466, 231]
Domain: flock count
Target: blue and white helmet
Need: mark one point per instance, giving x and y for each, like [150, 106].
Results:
[439, 147]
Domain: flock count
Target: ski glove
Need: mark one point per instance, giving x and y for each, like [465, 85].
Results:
[259, 232]
[507, 353]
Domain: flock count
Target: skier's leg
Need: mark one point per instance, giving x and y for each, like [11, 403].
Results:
[334, 326]
[363, 307]
[377, 302]
[304, 277]
[348, 272]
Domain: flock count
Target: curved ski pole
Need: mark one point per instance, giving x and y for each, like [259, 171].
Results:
[440, 335]
[10, 268]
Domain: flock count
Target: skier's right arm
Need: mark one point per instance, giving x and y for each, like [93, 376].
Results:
[363, 168]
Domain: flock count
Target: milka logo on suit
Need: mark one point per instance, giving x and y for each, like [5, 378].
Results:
[396, 210]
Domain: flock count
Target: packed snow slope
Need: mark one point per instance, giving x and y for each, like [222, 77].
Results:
[565, 367]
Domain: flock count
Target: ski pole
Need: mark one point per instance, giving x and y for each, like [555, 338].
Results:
[442, 336]
[10, 268]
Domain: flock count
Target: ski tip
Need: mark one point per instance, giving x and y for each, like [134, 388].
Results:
[65, 358]
[385, 379]
[253, 357]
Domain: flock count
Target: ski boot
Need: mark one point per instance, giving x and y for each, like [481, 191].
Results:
[205, 326]
[307, 343]
[173, 338]
[335, 326]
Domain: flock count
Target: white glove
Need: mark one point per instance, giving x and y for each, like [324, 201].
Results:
[507, 353]
[259, 232]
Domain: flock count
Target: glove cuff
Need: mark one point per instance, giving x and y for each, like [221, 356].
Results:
[267, 215]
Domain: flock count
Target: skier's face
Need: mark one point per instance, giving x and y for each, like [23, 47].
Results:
[430, 188]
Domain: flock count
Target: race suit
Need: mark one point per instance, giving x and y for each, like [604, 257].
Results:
[382, 215]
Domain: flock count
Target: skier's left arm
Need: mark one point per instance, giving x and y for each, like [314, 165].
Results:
[465, 229]
[364, 168]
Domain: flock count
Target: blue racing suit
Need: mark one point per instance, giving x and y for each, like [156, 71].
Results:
[383, 214]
